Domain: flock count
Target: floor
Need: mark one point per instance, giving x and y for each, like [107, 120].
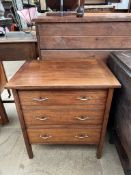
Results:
[49, 160]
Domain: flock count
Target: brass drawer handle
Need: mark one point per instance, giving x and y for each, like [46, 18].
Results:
[40, 99]
[81, 136]
[82, 118]
[41, 118]
[45, 137]
[84, 98]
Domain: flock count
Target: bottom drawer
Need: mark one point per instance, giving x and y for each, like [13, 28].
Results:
[64, 136]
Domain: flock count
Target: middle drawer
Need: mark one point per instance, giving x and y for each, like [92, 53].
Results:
[61, 116]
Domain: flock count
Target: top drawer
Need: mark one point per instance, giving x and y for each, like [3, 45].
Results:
[85, 29]
[76, 97]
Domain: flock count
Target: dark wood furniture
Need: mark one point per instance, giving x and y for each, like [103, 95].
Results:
[100, 1]
[3, 81]
[67, 4]
[93, 36]
[63, 102]
[18, 46]
[120, 118]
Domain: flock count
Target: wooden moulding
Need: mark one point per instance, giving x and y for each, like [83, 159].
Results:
[75, 55]
[88, 17]
[38, 42]
[23, 126]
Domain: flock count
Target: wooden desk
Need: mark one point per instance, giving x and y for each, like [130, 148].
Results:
[16, 46]
[63, 102]
[94, 36]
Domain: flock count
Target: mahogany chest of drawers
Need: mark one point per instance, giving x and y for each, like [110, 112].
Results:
[63, 102]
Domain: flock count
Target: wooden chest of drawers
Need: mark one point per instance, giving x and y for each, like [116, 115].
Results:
[94, 36]
[63, 102]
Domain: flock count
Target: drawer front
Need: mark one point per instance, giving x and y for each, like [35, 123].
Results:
[85, 42]
[65, 136]
[63, 116]
[49, 98]
[85, 29]
[75, 55]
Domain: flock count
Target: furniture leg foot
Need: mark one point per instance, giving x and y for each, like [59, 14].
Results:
[99, 153]
[28, 145]
[3, 115]
[30, 153]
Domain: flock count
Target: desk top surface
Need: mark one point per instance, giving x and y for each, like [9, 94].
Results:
[88, 17]
[52, 75]
[18, 37]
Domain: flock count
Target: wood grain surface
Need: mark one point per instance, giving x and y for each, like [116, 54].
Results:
[48, 75]
[85, 29]
[18, 46]
[88, 17]
[65, 136]
[18, 51]
[75, 55]
[58, 97]
[85, 42]
[63, 115]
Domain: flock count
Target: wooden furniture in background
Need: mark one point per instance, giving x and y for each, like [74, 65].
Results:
[63, 102]
[3, 81]
[93, 36]
[18, 46]
[120, 118]
[67, 4]
[101, 1]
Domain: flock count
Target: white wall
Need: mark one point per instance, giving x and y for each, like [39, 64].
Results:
[122, 5]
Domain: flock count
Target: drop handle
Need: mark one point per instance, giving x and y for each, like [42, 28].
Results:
[41, 118]
[84, 98]
[82, 118]
[40, 99]
[81, 136]
[45, 137]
